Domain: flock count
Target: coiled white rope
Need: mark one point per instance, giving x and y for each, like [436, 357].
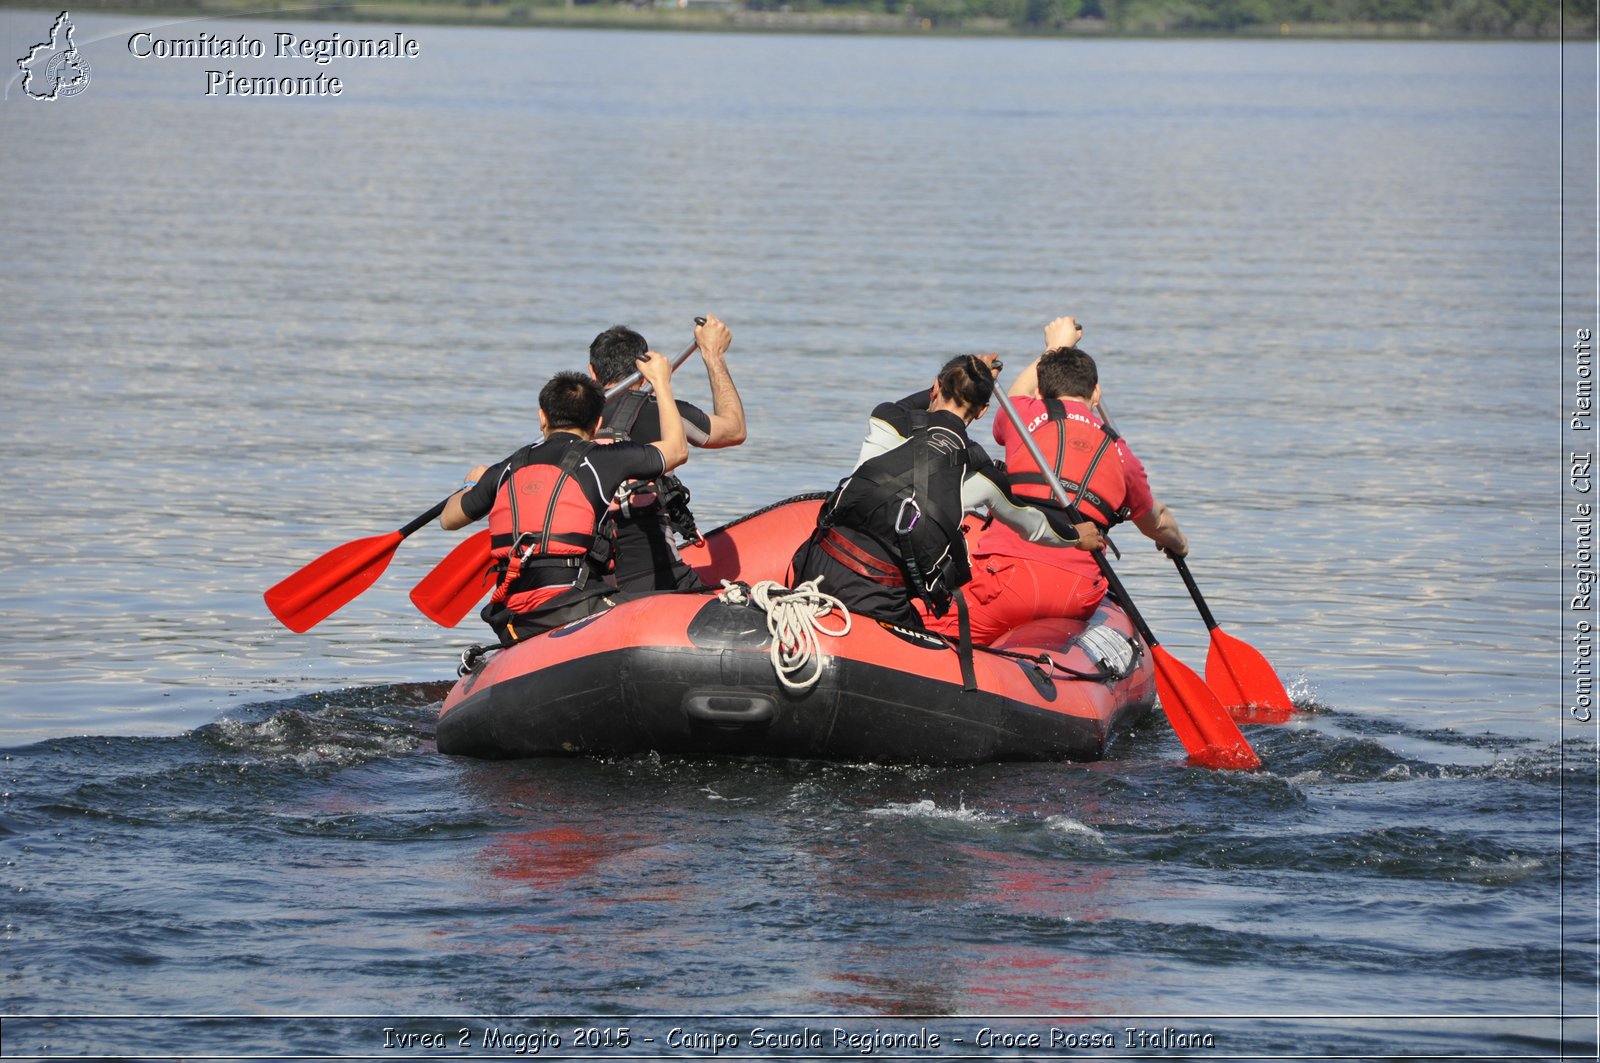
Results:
[794, 620]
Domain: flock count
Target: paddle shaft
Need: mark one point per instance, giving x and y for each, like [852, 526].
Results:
[425, 518]
[1194, 592]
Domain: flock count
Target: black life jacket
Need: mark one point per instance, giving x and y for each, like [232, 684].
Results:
[1075, 448]
[670, 492]
[550, 523]
[621, 414]
[907, 501]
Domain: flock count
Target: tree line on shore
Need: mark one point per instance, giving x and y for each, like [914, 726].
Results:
[1468, 18]
[1574, 19]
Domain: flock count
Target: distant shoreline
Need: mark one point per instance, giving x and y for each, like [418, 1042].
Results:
[517, 14]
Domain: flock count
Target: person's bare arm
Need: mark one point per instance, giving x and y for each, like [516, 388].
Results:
[727, 412]
[1026, 386]
[1161, 527]
[1062, 332]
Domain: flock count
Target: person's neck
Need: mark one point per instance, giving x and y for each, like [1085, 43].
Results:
[958, 412]
[580, 433]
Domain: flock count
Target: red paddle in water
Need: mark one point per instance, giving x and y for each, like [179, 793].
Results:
[306, 598]
[1208, 733]
[1236, 671]
[456, 584]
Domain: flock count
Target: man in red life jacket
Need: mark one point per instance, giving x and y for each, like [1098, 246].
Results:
[548, 504]
[651, 510]
[1014, 581]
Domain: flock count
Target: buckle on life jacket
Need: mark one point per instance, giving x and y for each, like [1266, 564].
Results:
[523, 562]
[629, 490]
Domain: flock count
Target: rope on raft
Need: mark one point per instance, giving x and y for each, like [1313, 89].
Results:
[794, 620]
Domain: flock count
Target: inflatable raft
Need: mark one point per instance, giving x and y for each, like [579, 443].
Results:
[695, 674]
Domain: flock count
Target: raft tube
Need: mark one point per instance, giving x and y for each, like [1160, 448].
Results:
[692, 674]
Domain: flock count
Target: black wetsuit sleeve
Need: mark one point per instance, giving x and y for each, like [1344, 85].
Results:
[479, 499]
[895, 416]
[617, 462]
[696, 423]
[978, 461]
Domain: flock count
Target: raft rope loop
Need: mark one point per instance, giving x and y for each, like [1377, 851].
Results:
[794, 620]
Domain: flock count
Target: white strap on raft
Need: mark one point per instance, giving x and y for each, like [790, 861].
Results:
[794, 619]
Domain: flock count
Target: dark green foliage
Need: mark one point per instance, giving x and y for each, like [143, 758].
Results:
[1389, 18]
[1490, 18]
[1472, 18]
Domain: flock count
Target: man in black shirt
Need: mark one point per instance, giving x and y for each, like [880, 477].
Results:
[651, 509]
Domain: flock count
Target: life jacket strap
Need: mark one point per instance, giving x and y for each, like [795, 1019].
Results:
[969, 672]
[860, 561]
[503, 542]
[1116, 514]
[623, 418]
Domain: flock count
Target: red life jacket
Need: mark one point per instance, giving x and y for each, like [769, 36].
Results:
[1078, 450]
[549, 524]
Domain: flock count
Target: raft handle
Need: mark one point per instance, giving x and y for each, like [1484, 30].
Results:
[733, 709]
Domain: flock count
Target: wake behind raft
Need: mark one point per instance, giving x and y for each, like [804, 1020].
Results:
[694, 674]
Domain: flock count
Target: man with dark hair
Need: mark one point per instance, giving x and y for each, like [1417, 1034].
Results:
[888, 542]
[570, 400]
[650, 510]
[1057, 397]
[548, 504]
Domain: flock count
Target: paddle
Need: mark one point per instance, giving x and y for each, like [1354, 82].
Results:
[1208, 733]
[1235, 670]
[456, 584]
[306, 598]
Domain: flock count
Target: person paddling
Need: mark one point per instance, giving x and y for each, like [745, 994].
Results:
[1014, 580]
[888, 541]
[548, 504]
[651, 510]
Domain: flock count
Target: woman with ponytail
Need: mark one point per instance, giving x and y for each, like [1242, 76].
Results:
[888, 541]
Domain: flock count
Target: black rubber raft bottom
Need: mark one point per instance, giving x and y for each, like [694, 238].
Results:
[721, 697]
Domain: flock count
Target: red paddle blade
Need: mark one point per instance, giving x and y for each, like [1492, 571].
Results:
[457, 583]
[1243, 680]
[1207, 732]
[305, 599]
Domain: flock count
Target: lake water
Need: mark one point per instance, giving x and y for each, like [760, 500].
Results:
[1332, 287]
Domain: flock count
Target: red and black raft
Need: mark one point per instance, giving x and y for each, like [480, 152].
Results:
[691, 674]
